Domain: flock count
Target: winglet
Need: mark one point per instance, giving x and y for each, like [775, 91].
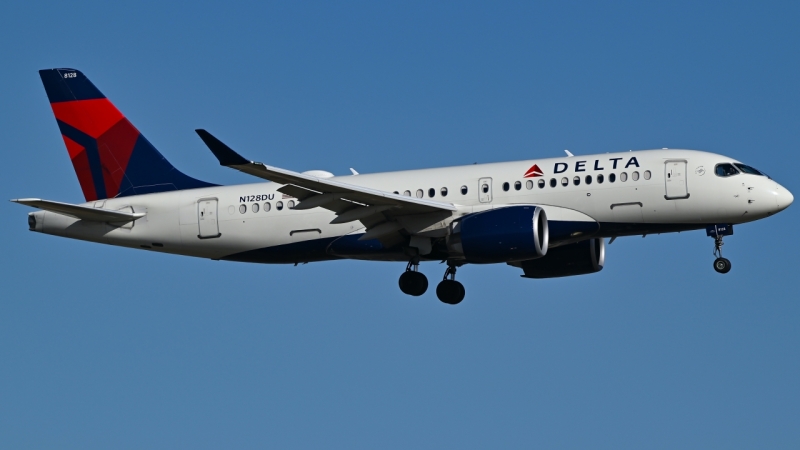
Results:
[225, 154]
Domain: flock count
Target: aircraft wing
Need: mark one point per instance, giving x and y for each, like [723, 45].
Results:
[80, 212]
[380, 211]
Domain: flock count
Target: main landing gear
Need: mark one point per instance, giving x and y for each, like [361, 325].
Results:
[721, 265]
[412, 282]
[449, 290]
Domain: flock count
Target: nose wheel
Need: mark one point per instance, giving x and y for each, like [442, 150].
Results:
[721, 265]
[412, 282]
[449, 290]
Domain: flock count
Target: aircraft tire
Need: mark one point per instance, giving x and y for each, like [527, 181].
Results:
[722, 265]
[450, 292]
[413, 283]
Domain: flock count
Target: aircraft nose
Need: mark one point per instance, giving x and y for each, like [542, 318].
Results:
[783, 197]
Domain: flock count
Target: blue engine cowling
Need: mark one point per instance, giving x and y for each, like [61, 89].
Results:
[513, 233]
[573, 259]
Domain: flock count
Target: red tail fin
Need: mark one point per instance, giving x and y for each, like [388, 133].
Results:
[110, 156]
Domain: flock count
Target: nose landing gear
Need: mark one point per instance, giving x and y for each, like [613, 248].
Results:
[449, 290]
[721, 265]
[412, 282]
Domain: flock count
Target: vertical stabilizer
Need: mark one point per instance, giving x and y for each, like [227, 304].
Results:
[110, 156]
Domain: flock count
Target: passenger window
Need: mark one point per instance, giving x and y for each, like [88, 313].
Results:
[396, 193]
[505, 186]
[279, 205]
[529, 184]
[646, 174]
[612, 178]
[290, 204]
[407, 193]
[419, 193]
[600, 179]
[623, 176]
[553, 182]
[485, 188]
[635, 176]
[267, 207]
[431, 192]
[564, 181]
[541, 184]
[576, 180]
[444, 192]
[255, 207]
[517, 185]
[242, 209]
[464, 190]
[588, 179]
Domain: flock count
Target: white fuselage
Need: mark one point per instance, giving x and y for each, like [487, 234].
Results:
[653, 191]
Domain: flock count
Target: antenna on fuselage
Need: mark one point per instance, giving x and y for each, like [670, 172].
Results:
[569, 154]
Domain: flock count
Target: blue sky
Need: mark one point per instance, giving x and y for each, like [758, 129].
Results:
[102, 347]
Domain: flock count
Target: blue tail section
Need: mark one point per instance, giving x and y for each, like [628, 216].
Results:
[110, 156]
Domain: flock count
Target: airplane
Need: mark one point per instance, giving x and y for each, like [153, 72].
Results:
[546, 217]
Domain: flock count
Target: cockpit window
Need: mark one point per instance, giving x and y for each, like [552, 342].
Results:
[747, 169]
[725, 170]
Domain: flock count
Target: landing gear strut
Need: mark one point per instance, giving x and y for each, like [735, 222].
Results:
[449, 290]
[721, 265]
[412, 282]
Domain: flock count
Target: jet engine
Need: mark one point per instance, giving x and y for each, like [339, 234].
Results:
[574, 259]
[513, 233]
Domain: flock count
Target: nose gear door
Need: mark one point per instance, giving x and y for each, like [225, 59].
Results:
[485, 190]
[675, 179]
[207, 218]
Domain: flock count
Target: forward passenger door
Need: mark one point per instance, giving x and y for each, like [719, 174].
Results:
[675, 179]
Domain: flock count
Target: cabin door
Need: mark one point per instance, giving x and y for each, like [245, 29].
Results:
[207, 218]
[675, 179]
[485, 190]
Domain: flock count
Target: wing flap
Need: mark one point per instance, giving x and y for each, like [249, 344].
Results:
[367, 196]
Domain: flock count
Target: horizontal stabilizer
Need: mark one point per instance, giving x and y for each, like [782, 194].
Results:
[80, 212]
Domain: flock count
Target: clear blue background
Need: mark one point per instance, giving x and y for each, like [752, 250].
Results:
[103, 347]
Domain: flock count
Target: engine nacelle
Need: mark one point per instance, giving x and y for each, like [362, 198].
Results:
[513, 233]
[574, 259]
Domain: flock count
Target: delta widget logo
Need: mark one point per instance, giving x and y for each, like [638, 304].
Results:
[534, 172]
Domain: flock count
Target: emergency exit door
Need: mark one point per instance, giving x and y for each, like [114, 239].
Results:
[485, 190]
[675, 179]
[207, 218]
